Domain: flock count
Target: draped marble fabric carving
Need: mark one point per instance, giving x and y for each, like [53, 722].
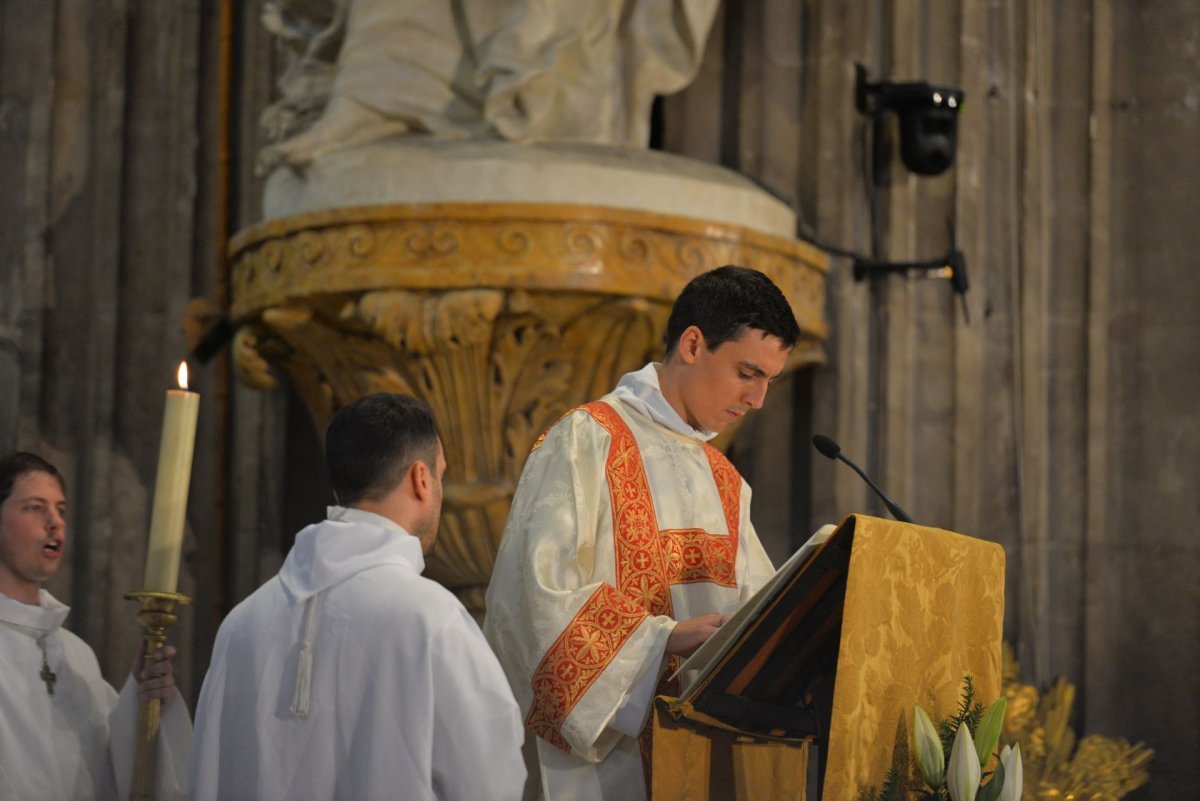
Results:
[521, 70]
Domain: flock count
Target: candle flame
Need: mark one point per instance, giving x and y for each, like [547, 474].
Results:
[183, 375]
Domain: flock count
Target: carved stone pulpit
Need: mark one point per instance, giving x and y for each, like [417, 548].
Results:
[503, 284]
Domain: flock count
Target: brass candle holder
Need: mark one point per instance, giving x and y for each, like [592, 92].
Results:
[157, 614]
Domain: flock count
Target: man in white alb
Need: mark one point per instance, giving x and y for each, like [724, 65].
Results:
[348, 675]
[64, 732]
[629, 540]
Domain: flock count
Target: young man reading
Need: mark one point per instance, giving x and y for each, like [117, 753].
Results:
[629, 540]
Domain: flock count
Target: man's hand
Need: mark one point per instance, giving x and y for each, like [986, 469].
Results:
[158, 680]
[690, 634]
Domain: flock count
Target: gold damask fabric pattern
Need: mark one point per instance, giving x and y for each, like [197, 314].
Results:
[924, 607]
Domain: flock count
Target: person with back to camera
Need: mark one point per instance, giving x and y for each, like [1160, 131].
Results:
[349, 675]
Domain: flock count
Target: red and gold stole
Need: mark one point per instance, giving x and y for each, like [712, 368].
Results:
[649, 560]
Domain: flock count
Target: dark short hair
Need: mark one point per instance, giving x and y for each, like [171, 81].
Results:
[20, 463]
[371, 443]
[724, 302]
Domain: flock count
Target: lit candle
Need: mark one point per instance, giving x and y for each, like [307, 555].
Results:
[171, 487]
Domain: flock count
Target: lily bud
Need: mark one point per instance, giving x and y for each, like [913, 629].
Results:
[1014, 778]
[930, 756]
[962, 776]
[987, 734]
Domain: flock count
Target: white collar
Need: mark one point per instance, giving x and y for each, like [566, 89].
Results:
[348, 542]
[351, 514]
[642, 391]
[47, 616]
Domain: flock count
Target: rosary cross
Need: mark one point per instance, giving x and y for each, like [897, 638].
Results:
[49, 677]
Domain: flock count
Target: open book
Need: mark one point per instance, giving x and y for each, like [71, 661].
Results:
[770, 668]
[717, 646]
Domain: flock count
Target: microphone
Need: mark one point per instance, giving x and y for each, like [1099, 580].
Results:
[831, 450]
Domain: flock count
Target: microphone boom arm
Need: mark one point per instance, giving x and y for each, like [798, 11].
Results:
[891, 505]
[831, 450]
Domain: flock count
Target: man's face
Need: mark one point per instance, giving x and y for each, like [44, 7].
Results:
[427, 529]
[723, 384]
[33, 534]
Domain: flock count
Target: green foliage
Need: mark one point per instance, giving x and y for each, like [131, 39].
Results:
[987, 733]
[991, 790]
[894, 779]
[892, 790]
[893, 786]
[896, 784]
[871, 793]
[969, 712]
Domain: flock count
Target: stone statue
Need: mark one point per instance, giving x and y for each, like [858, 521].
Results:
[524, 71]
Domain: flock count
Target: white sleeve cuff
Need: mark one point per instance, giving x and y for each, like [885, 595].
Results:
[630, 717]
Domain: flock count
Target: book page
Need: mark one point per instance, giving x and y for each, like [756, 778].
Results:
[714, 649]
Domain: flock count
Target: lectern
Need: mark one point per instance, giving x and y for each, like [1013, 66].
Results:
[828, 660]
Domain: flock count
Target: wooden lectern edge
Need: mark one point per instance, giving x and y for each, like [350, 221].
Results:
[679, 714]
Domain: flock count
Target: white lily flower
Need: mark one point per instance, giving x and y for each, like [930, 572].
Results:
[1014, 774]
[962, 776]
[930, 757]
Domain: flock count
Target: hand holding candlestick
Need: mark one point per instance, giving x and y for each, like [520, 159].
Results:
[158, 598]
[155, 676]
[157, 614]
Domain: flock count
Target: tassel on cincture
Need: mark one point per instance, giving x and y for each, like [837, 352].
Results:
[303, 692]
[302, 697]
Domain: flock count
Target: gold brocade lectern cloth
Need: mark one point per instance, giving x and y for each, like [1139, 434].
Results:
[923, 608]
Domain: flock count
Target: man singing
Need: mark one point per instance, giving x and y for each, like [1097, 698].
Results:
[64, 732]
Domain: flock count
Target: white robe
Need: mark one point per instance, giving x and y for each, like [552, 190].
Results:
[405, 700]
[580, 617]
[77, 744]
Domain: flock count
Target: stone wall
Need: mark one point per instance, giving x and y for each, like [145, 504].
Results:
[1060, 420]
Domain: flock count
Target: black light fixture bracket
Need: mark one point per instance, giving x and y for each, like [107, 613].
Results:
[951, 267]
[928, 117]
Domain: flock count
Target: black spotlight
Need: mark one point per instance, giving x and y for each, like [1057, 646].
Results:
[928, 119]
